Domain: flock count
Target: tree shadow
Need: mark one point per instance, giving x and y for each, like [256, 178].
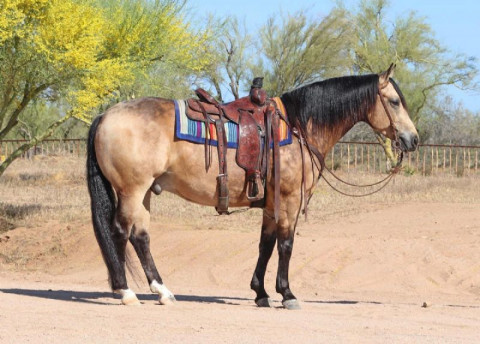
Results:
[63, 295]
[343, 302]
[96, 297]
[19, 211]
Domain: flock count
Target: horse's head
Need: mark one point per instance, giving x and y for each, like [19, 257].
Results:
[390, 116]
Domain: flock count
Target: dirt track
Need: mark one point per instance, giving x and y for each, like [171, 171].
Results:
[361, 278]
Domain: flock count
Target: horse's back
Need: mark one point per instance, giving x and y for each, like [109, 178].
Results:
[139, 114]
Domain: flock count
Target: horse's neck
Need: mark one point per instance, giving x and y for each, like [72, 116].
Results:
[326, 138]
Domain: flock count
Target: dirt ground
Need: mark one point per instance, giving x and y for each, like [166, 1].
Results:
[396, 273]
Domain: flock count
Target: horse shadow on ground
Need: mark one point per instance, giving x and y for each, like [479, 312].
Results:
[105, 298]
[109, 298]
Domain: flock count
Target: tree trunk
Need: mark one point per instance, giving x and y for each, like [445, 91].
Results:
[26, 146]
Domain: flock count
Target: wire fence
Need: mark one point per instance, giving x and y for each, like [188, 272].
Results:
[428, 159]
[366, 157]
[75, 147]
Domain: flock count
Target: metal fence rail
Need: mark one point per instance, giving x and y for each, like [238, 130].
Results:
[367, 157]
[75, 147]
[428, 159]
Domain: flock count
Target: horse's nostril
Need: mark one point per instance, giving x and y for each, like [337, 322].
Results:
[415, 141]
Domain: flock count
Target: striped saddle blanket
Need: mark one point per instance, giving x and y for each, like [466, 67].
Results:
[194, 131]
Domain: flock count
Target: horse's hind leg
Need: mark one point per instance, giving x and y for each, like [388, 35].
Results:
[285, 235]
[268, 238]
[140, 240]
[127, 215]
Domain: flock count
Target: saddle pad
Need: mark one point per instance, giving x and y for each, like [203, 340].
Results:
[194, 131]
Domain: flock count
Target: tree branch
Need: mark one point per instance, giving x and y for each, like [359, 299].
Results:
[27, 97]
[26, 146]
[424, 94]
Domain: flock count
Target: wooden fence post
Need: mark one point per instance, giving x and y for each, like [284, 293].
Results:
[476, 161]
[368, 158]
[444, 157]
[451, 161]
[456, 162]
[348, 157]
[424, 160]
[362, 158]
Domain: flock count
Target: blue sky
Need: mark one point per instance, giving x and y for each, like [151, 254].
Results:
[456, 23]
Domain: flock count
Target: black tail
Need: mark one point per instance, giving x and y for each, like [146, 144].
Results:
[103, 210]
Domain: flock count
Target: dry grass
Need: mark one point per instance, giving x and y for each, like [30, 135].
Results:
[435, 189]
[54, 189]
[45, 189]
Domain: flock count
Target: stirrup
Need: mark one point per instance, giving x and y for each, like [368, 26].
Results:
[255, 189]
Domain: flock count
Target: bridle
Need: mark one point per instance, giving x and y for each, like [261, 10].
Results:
[396, 142]
[320, 164]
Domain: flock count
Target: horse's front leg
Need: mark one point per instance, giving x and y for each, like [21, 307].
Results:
[285, 247]
[268, 237]
[285, 236]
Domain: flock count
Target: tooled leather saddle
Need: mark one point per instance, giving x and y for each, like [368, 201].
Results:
[257, 118]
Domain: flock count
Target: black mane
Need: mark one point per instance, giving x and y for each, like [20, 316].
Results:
[332, 101]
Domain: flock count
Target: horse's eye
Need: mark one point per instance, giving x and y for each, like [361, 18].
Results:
[395, 102]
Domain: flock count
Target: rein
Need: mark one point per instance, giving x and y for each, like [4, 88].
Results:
[393, 171]
[321, 165]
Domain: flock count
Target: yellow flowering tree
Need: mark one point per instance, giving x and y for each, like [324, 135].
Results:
[82, 51]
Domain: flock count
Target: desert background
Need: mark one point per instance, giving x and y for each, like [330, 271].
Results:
[400, 266]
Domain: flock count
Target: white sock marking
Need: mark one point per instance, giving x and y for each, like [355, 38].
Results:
[160, 289]
[125, 293]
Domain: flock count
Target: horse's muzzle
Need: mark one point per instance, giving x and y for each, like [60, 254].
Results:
[408, 141]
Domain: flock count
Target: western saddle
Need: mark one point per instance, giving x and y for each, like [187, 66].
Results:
[258, 120]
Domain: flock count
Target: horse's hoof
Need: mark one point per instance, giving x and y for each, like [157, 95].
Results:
[128, 297]
[291, 304]
[167, 300]
[130, 301]
[264, 302]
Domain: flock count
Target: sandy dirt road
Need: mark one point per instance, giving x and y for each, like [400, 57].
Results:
[361, 278]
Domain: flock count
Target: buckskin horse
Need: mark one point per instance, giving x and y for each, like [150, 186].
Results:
[133, 151]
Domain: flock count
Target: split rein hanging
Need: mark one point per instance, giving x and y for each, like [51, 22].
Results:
[392, 173]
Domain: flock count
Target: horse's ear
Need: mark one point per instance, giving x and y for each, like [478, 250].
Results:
[384, 77]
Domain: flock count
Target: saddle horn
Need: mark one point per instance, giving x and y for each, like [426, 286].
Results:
[257, 94]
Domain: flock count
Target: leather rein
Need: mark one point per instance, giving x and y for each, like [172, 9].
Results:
[320, 164]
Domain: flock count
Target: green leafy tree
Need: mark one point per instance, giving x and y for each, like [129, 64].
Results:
[424, 66]
[297, 50]
[83, 53]
[228, 68]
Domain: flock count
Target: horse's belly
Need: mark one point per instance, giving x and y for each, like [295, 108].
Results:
[203, 190]
[187, 177]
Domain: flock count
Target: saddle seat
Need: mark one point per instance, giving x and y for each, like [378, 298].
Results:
[257, 120]
[228, 111]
